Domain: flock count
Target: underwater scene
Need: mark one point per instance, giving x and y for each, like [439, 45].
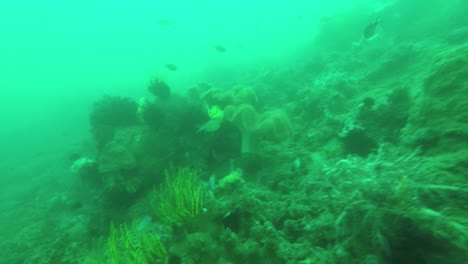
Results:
[234, 132]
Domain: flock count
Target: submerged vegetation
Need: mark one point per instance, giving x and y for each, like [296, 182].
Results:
[134, 245]
[181, 197]
[357, 155]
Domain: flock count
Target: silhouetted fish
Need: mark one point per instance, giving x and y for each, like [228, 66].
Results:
[164, 22]
[219, 48]
[74, 156]
[76, 205]
[369, 30]
[171, 67]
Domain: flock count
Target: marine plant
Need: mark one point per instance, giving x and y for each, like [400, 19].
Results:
[181, 197]
[134, 245]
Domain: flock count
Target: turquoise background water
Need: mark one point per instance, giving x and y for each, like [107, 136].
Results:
[57, 57]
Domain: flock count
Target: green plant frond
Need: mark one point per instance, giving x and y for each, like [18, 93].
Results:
[181, 197]
[130, 245]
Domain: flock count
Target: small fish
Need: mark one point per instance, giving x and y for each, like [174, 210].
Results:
[196, 4]
[211, 183]
[211, 126]
[369, 30]
[325, 20]
[171, 67]
[74, 156]
[144, 223]
[296, 165]
[164, 22]
[219, 48]
[135, 137]
[76, 205]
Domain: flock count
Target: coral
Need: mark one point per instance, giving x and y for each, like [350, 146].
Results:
[195, 93]
[274, 125]
[115, 157]
[238, 95]
[110, 113]
[215, 96]
[143, 105]
[245, 118]
[443, 105]
[117, 161]
[244, 95]
[271, 125]
[356, 141]
[150, 113]
[159, 88]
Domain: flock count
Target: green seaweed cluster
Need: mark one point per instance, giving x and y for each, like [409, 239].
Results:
[181, 197]
[134, 245]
